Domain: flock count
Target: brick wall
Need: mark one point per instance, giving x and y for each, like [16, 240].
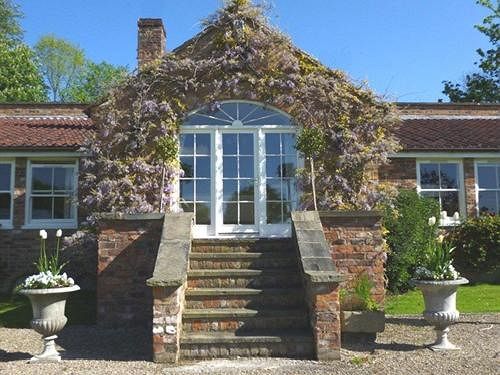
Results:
[356, 246]
[470, 187]
[127, 252]
[400, 173]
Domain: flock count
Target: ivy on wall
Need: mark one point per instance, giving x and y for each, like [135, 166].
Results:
[133, 164]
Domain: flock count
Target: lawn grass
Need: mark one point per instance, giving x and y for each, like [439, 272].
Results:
[480, 298]
[15, 310]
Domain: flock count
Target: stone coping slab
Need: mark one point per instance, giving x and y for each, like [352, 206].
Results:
[122, 216]
[355, 213]
[172, 260]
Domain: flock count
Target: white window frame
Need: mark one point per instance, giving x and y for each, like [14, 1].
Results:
[8, 224]
[477, 163]
[51, 223]
[448, 220]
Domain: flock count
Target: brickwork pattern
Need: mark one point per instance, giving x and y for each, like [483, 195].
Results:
[470, 187]
[127, 254]
[356, 246]
[399, 173]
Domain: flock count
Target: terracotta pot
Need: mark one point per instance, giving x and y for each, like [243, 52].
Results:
[48, 317]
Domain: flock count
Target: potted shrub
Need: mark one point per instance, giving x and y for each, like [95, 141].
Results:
[364, 314]
[47, 292]
[438, 280]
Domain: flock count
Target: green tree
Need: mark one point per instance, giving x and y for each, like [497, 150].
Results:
[20, 79]
[61, 64]
[9, 21]
[93, 82]
[481, 86]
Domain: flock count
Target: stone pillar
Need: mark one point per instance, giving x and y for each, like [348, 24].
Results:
[167, 323]
[151, 41]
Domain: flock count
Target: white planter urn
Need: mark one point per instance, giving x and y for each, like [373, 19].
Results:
[48, 317]
[440, 307]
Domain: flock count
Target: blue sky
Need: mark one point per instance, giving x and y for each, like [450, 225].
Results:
[402, 48]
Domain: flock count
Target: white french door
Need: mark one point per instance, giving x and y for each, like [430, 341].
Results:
[239, 162]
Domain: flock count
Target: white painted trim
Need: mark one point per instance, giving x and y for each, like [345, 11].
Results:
[476, 180]
[41, 154]
[8, 224]
[54, 223]
[446, 155]
[461, 187]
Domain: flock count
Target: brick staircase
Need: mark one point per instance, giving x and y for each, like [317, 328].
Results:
[244, 298]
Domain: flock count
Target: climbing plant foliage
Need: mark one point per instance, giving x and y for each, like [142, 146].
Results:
[238, 55]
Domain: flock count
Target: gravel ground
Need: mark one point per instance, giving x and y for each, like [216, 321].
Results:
[399, 350]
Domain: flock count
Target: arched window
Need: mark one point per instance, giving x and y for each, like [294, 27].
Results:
[238, 114]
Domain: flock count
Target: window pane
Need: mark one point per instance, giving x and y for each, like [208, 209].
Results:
[203, 144]
[246, 213]
[203, 213]
[4, 206]
[63, 179]
[229, 144]
[246, 144]
[187, 190]
[203, 190]
[230, 190]
[187, 207]
[488, 202]
[42, 179]
[41, 208]
[273, 212]
[246, 166]
[287, 209]
[289, 166]
[272, 143]
[187, 165]
[203, 166]
[288, 189]
[429, 177]
[273, 166]
[246, 190]
[449, 202]
[5, 174]
[273, 189]
[449, 176]
[288, 144]
[229, 166]
[62, 208]
[230, 215]
[498, 177]
[187, 144]
[487, 177]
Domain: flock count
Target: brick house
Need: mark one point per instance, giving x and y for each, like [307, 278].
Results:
[449, 151]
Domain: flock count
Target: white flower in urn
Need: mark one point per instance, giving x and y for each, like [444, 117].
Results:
[456, 216]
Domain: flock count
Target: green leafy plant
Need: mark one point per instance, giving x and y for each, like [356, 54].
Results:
[437, 263]
[477, 246]
[49, 263]
[359, 297]
[407, 235]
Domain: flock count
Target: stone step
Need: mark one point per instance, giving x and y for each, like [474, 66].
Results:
[243, 278]
[240, 260]
[261, 245]
[242, 320]
[202, 298]
[291, 344]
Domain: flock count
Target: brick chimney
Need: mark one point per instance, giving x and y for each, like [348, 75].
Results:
[151, 40]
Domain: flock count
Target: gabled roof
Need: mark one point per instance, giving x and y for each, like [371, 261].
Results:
[43, 126]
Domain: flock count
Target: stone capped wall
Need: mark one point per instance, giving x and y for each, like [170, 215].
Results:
[356, 246]
[127, 249]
